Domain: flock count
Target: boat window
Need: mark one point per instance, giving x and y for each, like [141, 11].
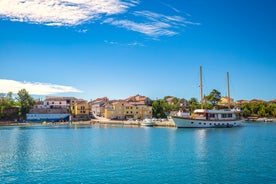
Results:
[210, 123]
[199, 123]
[229, 115]
[224, 115]
[234, 123]
[222, 123]
[204, 123]
[211, 115]
[192, 122]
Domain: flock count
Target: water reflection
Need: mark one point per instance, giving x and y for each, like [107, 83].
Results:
[200, 143]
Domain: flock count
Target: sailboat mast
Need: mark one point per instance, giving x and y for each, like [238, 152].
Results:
[201, 100]
[227, 76]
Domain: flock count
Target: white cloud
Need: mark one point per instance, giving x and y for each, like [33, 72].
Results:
[136, 44]
[77, 12]
[61, 13]
[34, 88]
[153, 24]
[132, 44]
[150, 29]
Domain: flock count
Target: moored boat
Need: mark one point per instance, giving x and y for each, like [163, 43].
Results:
[147, 122]
[204, 118]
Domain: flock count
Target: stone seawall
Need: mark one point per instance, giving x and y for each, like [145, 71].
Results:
[168, 123]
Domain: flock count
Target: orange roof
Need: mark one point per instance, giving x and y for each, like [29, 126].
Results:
[272, 101]
[56, 98]
[256, 100]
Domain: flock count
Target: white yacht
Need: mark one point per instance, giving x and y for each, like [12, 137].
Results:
[204, 118]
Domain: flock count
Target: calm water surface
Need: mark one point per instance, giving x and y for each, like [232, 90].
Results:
[117, 154]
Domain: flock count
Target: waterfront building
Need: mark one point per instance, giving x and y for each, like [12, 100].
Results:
[80, 110]
[114, 110]
[256, 101]
[49, 115]
[224, 101]
[240, 102]
[272, 102]
[97, 106]
[134, 107]
[59, 102]
[137, 111]
[139, 100]
[52, 109]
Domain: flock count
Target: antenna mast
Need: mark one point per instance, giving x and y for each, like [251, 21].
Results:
[201, 100]
[227, 76]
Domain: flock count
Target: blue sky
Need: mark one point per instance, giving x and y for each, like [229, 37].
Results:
[119, 48]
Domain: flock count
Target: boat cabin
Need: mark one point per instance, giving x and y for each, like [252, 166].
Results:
[206, 114]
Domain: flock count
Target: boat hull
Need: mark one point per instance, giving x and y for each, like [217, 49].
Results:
[194, 123]
[147, 124]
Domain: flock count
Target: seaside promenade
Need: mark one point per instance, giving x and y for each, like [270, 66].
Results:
[168, 123]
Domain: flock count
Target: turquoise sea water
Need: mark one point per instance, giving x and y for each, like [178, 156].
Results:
[121, 154]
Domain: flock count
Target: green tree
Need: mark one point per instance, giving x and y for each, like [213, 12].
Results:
[6, 101]
[158, 109]
[162, 108]
[259, 109]
[25, 102]
[214, 97]
[246, 112]
[271, 110]
[193, 104]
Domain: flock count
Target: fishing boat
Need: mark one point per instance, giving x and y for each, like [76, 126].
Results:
[204, 118]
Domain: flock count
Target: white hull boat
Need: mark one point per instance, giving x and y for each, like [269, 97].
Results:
[147, 122]
[208, 119]
[204, 118]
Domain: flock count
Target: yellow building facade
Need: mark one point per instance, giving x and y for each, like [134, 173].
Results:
[80, 110]
[120, 110]
[224, 101]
